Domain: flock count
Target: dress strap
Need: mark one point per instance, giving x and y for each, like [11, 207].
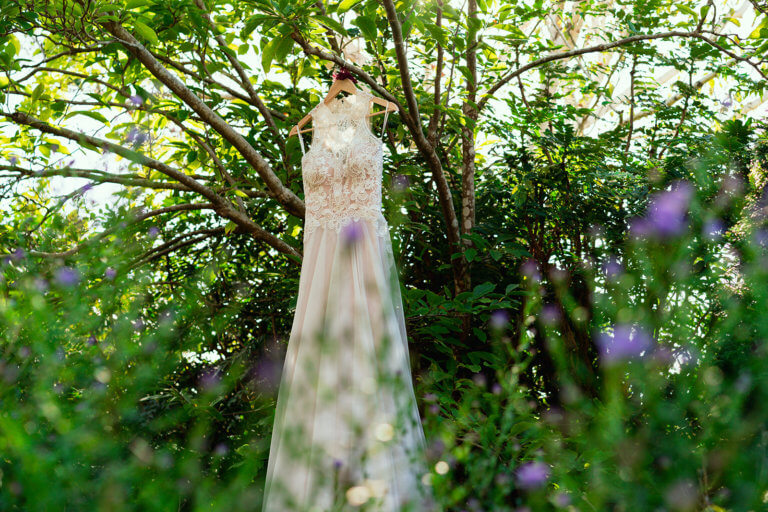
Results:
[384, 124]
[301, 140]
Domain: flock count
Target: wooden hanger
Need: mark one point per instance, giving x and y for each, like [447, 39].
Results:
[342, 83]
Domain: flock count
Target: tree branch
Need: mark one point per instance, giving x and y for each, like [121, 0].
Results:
[284, 196]
[221, 205]
[107, 232]
[607, 46]
[412, 119]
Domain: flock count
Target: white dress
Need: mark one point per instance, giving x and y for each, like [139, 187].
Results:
[347, 432]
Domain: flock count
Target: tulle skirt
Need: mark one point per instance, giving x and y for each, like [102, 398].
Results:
[347, 432]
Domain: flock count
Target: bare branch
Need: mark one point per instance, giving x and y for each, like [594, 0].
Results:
[76, 74]
[365, 77]
[246, 83]
[284, 196]
[608, 46]
[100, 236]
[210, 81]
[435, 117]
[402, 60]
[631, 104]
[176, 244]
[412, 119]
[222, 205]
[470, 112]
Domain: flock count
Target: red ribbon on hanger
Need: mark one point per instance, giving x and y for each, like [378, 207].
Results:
[344, 74]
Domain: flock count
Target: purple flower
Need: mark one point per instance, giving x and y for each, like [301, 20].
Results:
[400, 183]
[435, 449]
[265, 374]
[663, 354]
[558, 275]
[110, 273]
[434, 408]
[496, 388]
[550, 314]
[18, 254]
[761, 237]
[430, 397]
[727, 102]
[714, 229]
[530, 269]
[221, 449]
[41, 285]
[153, 232]
[337, 464]
[136, 137]
[532, 475]
[352, 233]
[67, 276]
[91, 340]
[562, 499]
[499, 319]
[136, 99]
[627, 341]
[13, 160]
[667, 213]
[612, 268]
[209, 379]
[86, 187]
[682, 495]
[138, 324]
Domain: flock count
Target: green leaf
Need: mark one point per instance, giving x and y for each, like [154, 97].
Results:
[480, 334]
[760, 31]
[145, 32]
[438, 33]
[14, 43]
[252, 23]
[276, 48]
[283, 48]
[132, 4]
[367, 26]
[483, 289]
[687, 10]
[333, 24]
[38, 92]
[89, 113]
[470, 254]
[704, 11]
[346, 5]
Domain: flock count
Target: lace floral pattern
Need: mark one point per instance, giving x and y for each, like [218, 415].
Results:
[342, 169]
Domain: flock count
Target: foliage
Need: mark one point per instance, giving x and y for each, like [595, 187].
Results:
[141, 341]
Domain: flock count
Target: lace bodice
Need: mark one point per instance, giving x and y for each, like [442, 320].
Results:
[342, 170]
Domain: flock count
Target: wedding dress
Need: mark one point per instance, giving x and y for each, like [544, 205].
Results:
[347, 432]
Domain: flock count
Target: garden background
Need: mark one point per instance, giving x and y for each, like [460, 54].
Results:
[578, 198]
